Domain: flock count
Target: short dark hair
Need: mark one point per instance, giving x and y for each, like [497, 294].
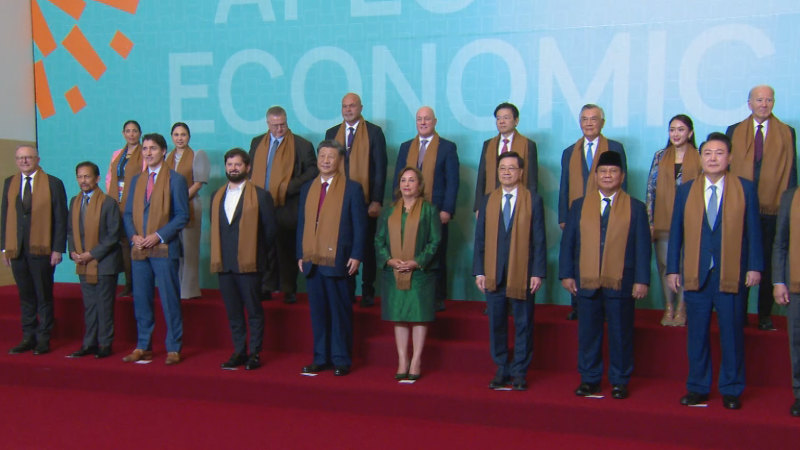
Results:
[89, 164]
[717, 136]
[520, 161]
[238, 152]
[181, 124]
[331, 143]
[133, 122]
[157, 138]
[511, 106]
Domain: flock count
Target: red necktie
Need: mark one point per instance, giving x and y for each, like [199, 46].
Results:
[505, 146]
[759, 144]
[322, 193]
[150, 182]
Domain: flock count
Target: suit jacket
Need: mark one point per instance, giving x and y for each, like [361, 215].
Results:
[636, 268]
[352, 231]
[178, 212]
[107, 252]
[305, 168]
[58, 202]
[445, 176]
[377, 159]
[780, 247]
[563, 190]
[752, 257]
[531, 168]
[757, 165]
[537, 251]
[229, 232]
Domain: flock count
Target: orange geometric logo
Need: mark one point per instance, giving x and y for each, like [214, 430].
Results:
[77, 45]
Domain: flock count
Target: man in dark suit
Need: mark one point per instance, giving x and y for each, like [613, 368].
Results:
[605, 263]
[508, 139]
[762, 141]
[281, 163]
[330, 246]
[786, 282]
[31, 247]
[509, 263]
[715, 215]
[242, 228]
[437, 159]
[580, 157]
[365, 163]
[156, 211]
[93, 229]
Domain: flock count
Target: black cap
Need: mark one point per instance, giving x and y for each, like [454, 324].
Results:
[610, 158]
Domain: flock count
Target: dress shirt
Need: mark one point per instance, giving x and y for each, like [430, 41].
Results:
[603, 204]
[232, 195]
[500, 142]
[22, 184]
[512, 200]
[586, 146]
[764, 126]
[707, 192]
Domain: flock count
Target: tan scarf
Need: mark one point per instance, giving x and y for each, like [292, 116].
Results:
[794, 244]
[359, 154]
[41, 233]
[248, 230]
[403, 246]
[132, 168]
[776, 163]
[186, 168]
[158, 216]
[733, 206]
[576, 187]
[281, 169]
[518, 145]
[665, 184]
[91, 230]
[428, 161]
[608, 272]
[320, 237]
[517, 276]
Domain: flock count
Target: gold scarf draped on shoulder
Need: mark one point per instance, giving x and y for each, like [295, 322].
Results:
[41, 234]
[519, 248]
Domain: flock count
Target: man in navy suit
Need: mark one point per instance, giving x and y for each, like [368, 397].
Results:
[156, 248]
[729, 220]
[437, 158]
[352, 133]
[605, 263]
[330, 266]
[590, 146]
[522, 212]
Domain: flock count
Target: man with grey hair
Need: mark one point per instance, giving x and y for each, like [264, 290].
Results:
[33, 235]
[577, 161]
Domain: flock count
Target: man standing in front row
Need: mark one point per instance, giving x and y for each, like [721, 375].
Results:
[437, 159]
[365, 163]
[715, 236]
[605, 263]
[509, 263]
[93, 231]
[242, 228]
[156, 212]
[34, 235]
[330, 246]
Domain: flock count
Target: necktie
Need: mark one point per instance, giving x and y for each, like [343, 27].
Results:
[589, 155]
[606, 210]
[151, 180]
[505, 146]
[27, 199]
[84, 205]
[422, 147]
[759, 144]
[507, 211]
[350, 136]
[272, 150]
[712, 208]
[322, 192]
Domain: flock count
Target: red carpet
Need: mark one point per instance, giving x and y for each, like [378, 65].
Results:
[54, 402]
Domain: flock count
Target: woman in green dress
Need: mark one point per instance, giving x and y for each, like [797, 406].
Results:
[406, 240]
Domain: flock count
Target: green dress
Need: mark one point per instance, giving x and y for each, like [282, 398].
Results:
[417, 303]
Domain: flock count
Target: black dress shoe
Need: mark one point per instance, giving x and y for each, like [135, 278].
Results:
[499, 382]
[83, 352]
[341, 371]
[619, 391]
[253, 363]
[587, 389]
[693, 398]
[766, 325]
[25, 346]
[104, 351]
[127, 292]
[314, 368]
[236, 360]
[731, 402]
[519, 384]
[289, 298]
[42, 348]
[795, 409]
[573, 315]
[266, 295]
[367, 301]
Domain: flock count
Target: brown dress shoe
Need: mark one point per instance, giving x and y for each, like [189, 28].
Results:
[173, 358]
[139, 355]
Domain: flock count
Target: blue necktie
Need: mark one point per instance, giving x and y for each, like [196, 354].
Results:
[272, 150]
[507, 211]
[589, 156]
[712, 208]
